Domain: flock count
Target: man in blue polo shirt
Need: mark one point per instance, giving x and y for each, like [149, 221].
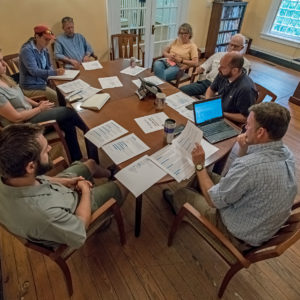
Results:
[235, 86]
[70, 47]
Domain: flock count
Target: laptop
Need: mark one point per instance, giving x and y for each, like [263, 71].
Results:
[209, 118]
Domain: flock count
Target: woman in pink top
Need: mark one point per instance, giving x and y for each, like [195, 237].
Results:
[179, 55]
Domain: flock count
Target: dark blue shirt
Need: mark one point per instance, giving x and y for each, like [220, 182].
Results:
[237, 96]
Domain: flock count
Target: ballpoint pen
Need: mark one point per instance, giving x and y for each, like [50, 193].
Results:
[73, 94]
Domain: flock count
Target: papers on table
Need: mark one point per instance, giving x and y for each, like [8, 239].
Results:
[88, 92]
[92, 65]
[153, 79]
[178, 100]
[187, 113]
[68, 75]
[140, 175]
[125, 148]
[152, 122]
[105, 133]
[133, 71]
[187, 139]
[110, 82]
[75, 85]
[170, 160]
[176, 159]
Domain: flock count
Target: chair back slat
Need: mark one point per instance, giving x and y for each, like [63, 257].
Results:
[263, 92]
[12, 62]
[126, 43]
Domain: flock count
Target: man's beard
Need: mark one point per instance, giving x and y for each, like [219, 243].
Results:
[42, 168]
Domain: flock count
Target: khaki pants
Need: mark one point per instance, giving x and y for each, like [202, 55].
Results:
[191, 194]
[49, 93]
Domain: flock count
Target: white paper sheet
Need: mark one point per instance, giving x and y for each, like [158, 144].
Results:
[187, 113]
[173, 162]
[125, 148]
[71, 86]
[68, 75]
[178, 100]
[133, 71]
[140, 175]
[88, 92]
[110, 82]
[153, 79]
[105, 133]
[152, 122]
[176, 159]
[92, 65]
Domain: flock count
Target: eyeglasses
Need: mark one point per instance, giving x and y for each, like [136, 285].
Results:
[183, 33]
[48, 32]
[235, 46]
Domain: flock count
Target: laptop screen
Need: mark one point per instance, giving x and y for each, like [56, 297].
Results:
[207, 110]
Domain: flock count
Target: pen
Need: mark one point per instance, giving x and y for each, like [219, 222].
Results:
[73, 94]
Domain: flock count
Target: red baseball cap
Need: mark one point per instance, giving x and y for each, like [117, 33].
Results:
[45, 30]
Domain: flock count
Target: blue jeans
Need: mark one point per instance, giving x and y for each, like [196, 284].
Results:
[163, 71]
[67, 120]
[196, 88]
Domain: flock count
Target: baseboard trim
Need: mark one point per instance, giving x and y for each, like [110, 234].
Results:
[279, 61]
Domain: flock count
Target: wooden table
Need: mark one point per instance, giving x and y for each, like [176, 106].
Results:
[124, 106]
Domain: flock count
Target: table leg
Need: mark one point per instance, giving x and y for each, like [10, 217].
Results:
[138, 215]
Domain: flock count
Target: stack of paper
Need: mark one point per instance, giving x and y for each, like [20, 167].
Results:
[105, 133]
[176, 159]
[152, 122]
[75, 85]
[92, 65]
[133, 71]
[125, 148]
[110, 82]
[140, 175]
[68, 75]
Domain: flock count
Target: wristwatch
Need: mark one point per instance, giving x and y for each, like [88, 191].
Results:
[199, 167]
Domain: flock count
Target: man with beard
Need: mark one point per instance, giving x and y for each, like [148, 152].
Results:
[43, 209]
[252, 201]
[235, 86]
[71, 47]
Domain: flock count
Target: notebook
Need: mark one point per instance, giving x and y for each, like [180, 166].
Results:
[209, 118]
[68, 75]
[95, 102]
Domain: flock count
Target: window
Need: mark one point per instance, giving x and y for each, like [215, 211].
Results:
[283, 22]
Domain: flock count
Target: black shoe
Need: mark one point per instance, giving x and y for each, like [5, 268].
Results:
[168, 196]
[114, 169]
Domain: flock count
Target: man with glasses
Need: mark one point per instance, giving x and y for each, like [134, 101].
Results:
[72, 48]
[209, 69]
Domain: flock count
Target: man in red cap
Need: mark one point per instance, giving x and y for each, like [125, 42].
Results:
[35, 64]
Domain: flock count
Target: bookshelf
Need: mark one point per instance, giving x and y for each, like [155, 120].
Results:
[225, 21]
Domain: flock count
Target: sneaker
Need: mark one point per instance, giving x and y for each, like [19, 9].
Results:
[114, 169]
[168, 196]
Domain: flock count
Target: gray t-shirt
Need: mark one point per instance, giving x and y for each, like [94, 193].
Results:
[15, 96]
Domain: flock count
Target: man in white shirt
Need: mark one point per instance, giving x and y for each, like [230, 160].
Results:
[210, 68]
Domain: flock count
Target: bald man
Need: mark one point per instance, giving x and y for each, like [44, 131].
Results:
[209, 68]
[235, 86]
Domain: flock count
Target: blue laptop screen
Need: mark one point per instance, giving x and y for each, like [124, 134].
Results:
[208, 110]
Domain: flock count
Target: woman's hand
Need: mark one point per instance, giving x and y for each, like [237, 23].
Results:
[45, 105]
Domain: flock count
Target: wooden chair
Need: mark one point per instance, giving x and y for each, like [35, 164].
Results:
[288, 234]
[125, 43]
[61, 254]
[12, 62]
[183, 75]
[263, 92]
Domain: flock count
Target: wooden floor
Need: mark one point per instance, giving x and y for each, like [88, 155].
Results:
[145, 268]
